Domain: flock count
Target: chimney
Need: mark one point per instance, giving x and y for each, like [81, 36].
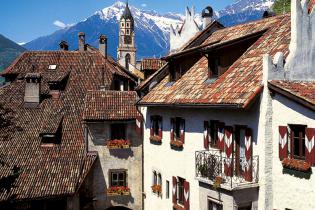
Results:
[207, 15]
[64, 46]
[32, 88]
[81, 41]
[103, 45]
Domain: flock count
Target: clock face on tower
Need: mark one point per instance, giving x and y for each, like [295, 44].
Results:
[127, 40]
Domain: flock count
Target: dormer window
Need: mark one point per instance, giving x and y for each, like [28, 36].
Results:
[52, 67]
[51, 130]
[213, 67]
[175, 72]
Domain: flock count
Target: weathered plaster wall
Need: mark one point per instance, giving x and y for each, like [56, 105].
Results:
[170, 162]
[130, 159]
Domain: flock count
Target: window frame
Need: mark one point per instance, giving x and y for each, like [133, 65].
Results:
[211, 203]
[118, 172]
[213, 66]
[180, 192]
[156, 124]
[301, 141]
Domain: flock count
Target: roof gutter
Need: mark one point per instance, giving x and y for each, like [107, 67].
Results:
[211, 106]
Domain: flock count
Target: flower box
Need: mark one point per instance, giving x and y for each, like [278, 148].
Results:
[298, 165]
[156, 139]
[118, 144]
[156, 189]
[119, 190]
[177, 144]
[178, 207]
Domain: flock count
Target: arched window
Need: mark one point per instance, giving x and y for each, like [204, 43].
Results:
[127, 60]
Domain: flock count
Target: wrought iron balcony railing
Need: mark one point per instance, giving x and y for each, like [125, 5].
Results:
[232, 172]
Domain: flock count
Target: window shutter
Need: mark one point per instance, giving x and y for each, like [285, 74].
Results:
[182, 130]
[186, 195]
[248, 154]
[309, 145]
[228, 143]
[172, 128]
[139, 123]
[160, 127]
[151, 126]
[174, 190]
[283, 142]
[206, 134]
[221, 137]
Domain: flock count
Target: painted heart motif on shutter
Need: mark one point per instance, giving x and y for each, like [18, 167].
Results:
[228, 140]
[248, 164]
[283, 140]
[248, 141]
[220, 134]
[205, 133]
[310, 144]
[186, 195]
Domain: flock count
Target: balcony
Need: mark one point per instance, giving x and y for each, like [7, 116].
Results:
[214, 168]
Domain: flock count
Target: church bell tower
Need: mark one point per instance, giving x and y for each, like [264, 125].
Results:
[126, 52]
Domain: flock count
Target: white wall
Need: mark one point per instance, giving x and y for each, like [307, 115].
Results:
[182, 163]
[289, 191]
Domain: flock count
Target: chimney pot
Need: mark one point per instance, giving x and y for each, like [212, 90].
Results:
[103, 45]
[64, 46]
[82, 46]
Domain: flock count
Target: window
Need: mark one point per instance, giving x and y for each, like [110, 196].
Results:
[127, 24]
[154, 178]
[159, 180]
[118, 131]
[52, 67]
[127, 60]
[175, 71]
[167, 189]
[214, 133]
[122, 24]
[156, 125]
[213, 67]
[128, 39]
[128, 32]
[214, 206]
[177, 128]
[118, 178]
[297, 135]
[180, 191]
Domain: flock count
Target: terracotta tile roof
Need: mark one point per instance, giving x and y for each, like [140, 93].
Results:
[302, 90]
[57, 170]
[151, 64]
[240, 83]
[111, 105]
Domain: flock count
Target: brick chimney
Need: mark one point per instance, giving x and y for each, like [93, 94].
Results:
[103, 45]
[82, 41]
[32, 88]
[64, 46]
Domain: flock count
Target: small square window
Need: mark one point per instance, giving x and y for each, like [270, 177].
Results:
[297, 141]
[52, 67]
[118, 131]
[118, 179]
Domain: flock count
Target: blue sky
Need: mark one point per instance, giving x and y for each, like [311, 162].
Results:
[25, 20]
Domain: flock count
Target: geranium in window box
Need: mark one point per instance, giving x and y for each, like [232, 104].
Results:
[217, 182]
[177, 144]
[118, 190]
[118, 144]
[157, 188]
[156, 139]
[298, 165]
[178, 207]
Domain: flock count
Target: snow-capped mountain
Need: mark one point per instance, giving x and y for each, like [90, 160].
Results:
[152, 28]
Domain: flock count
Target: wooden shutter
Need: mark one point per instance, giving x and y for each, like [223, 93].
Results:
[248, 154]
[220, 137]
[283, 142]
[182, 130]
[206, 134]
[139, 124]
[174, 190]
[172, 128]
[309, 145]
[160, 127]
[151, 126]
[228, 143]
[186, 195]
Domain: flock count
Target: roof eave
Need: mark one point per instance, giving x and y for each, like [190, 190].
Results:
[192, 105]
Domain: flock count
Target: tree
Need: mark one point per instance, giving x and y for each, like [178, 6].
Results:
[281, 6]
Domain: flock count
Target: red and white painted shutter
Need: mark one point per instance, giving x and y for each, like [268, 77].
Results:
[160, 127]
[172, 128]
[228, 143]
[248, 154]
[206, 134]
[309, 145]
[283, 142]
[186, 195]
[182, 130]
[174, 190]
[221, 137]
[139, 123]
[151, 126]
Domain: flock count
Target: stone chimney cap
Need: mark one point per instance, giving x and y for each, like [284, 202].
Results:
[207, 12]
[64, 45]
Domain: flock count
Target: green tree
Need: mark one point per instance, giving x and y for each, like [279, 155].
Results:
[281, 6]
